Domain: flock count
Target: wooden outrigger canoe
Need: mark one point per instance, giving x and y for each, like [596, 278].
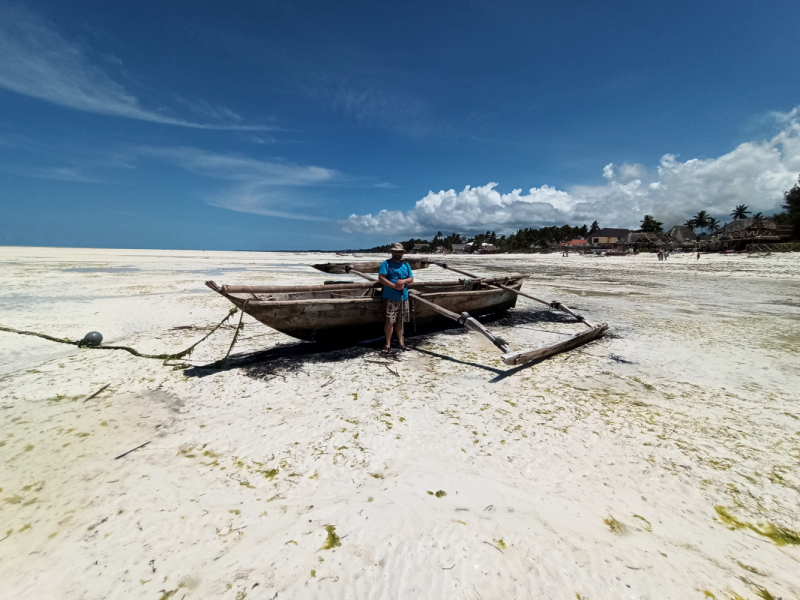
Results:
[354, 311]
[367, 267]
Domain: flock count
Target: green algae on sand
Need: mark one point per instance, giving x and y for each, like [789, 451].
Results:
[781, 536]
[332, 541]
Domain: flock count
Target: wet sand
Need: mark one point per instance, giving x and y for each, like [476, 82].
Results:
[658, 462]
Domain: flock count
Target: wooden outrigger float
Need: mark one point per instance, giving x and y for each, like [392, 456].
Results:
[354, 311]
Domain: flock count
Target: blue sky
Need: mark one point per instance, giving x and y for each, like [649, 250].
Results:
[263, 125]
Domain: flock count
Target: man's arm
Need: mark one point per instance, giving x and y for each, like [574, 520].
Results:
[404, 282]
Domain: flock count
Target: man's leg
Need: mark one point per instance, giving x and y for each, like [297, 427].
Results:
[398, 330]
[399, 325]
[387, 331]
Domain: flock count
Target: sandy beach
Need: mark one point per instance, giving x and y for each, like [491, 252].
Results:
[660, 461]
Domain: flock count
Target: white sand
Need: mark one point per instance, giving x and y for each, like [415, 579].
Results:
[580, 477]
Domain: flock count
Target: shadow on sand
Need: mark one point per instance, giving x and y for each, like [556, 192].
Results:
[287, 359]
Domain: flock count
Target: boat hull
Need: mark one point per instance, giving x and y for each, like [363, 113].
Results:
[337, 320]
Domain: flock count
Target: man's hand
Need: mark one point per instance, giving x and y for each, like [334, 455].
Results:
[400, 285]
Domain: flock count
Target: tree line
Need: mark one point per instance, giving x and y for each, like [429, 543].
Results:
[532, 239]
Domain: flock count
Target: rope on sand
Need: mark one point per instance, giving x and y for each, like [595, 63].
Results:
[163, 357]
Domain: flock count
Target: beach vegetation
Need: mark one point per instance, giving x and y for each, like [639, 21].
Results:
[741, 211]
[646, 525]
[270, 473]
[781, 536]
[332, 541]
[651, 225]
[791, 204]
[616, 527]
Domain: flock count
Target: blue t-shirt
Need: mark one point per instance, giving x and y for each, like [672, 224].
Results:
[393, 271]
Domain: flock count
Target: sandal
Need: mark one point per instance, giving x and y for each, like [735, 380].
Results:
[385, 350]
[404, 348]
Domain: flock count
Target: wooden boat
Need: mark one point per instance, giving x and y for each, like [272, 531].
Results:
[354, 311]
[367, 267]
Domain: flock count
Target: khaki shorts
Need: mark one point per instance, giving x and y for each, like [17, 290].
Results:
[393, 310]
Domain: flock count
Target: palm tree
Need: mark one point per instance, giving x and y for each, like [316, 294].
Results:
[691, 224]
[713, 225]
[702, 220]
[650, 225]
[758, 219]
[740, 212]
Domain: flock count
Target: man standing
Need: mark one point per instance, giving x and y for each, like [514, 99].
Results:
[395, 274]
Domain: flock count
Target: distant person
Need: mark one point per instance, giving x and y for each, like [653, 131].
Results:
[666, 254]
[395, 274]
[698, 255]
[660, 255]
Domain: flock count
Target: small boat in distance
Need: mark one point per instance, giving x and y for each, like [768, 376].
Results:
[354, 311]
[367, 267]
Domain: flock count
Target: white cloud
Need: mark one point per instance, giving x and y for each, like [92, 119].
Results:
[755, 173]
[260, 199]
[261, 187]
[242, 168]
[37, 61]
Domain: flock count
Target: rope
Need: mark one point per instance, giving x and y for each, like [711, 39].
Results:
[222, 362]
[164, 357]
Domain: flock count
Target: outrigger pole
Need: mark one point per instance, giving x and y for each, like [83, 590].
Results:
[510, 358]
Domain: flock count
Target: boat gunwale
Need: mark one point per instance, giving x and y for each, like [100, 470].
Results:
[357, 300]
[286, 289]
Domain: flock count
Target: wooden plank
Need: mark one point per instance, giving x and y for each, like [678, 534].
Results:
[524, 356]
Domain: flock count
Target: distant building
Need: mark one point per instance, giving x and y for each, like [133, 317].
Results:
[487, 248]
[459, 248]
[643, 239]
[737, 234]
[422, 247]
[608, 236]
[682, 235]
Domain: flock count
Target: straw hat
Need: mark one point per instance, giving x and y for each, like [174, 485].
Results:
[397, 248]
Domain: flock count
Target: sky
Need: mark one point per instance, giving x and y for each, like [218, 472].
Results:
[261, 125]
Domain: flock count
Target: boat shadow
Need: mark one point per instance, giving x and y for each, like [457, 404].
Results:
[286, 359]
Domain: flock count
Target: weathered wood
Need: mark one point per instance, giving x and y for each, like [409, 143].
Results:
[367, 267]
[129, 451]
[326, 289]
[554, 304]
[324, 318]
[524, 356]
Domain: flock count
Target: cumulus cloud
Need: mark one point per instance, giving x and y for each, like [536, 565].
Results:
[754, 173]
[37, 61]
